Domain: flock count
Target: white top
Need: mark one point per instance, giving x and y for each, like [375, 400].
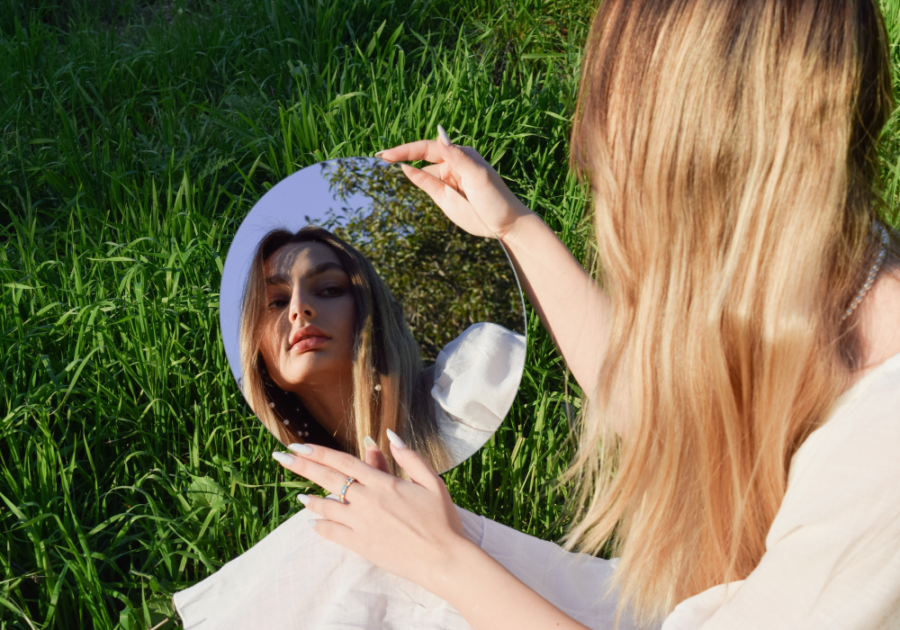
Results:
[476, 377]
[832, 559]
[296, 579]
[833, 553]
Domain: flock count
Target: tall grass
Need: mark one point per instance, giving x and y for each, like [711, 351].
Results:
[134, 137]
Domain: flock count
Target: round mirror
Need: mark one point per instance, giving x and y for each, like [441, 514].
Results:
[350, 304]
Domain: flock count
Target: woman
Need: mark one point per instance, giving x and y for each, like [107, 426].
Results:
[327, 357]
[741, 354]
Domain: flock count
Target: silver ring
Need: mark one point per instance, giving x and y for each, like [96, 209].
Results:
[347, 484]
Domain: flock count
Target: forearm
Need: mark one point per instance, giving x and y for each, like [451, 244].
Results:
[489, 597]
[573, 308]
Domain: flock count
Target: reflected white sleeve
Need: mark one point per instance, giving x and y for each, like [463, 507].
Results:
[476, 378]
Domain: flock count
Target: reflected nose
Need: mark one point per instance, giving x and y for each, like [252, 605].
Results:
[300, 305]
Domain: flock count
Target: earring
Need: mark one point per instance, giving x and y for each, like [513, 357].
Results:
[378, 387]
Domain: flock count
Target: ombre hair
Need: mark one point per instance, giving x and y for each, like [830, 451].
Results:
[731, 149]
[385, 353]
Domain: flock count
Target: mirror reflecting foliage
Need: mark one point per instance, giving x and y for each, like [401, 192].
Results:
[446, 279]
[350, 305]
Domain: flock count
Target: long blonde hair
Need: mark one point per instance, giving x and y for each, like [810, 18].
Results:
[385, 353]
[731, 150]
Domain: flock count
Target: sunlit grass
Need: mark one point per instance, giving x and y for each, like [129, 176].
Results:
[133, 139]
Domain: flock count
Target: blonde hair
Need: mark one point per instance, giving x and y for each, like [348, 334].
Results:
[731, 150]
[385, 353]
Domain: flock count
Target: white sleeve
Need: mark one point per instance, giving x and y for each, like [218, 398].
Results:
[476, 378]
[832, 555]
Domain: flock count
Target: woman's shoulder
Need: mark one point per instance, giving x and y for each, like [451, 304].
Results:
[863, 429]
[846, 471]
[831, 558]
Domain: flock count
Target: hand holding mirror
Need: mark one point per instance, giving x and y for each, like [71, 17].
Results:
[350, 305]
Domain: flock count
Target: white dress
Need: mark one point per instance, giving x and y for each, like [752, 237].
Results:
[832, 559]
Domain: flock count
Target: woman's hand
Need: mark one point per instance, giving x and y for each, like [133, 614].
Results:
[412, 529]
[462, 184]
[409, 528]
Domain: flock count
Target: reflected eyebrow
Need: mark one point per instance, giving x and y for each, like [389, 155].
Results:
[314, 271]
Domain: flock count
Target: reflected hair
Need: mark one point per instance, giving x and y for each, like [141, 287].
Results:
[385, 353]
[731, 149]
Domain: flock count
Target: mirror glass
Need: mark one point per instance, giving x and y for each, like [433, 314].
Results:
[350, 304]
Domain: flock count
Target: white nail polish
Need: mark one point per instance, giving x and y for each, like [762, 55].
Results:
[380, 153]
[443, 137]
[395, 439]
[282, 458]
[369, 442]
[302, 498]
[301, 449]
[312, 522]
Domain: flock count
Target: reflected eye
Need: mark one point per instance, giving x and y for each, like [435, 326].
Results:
[332, 292]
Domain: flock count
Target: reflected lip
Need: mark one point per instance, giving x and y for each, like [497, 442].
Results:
[307, 332]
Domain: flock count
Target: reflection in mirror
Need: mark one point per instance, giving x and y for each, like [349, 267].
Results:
[351, 305]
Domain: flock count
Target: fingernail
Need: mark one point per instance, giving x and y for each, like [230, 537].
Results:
[301, 449]
[369, 442]
[312, 522]
[282, 458]
[443, 137]
[304, 499]
[395, 439]
[380, 153]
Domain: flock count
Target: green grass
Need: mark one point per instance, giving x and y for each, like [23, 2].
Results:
[133, 139]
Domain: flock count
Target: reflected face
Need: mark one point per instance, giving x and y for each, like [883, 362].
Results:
[308, 326]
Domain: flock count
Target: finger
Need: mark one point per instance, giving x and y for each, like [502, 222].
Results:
[430, 183]
[375, 458]
[451, 202]
[325, 476]
[335, 532]
[427, 150]
[433, 169]
[326, 508]
[412, 463]
[465, 160]
[344, 463]
[472, 153]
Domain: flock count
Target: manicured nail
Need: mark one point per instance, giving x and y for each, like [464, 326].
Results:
[380, 153]
[369, 442]
[443, 137]
[312, 522]
[301, 449]
[395, 439]
[304, 499]
[282, 458]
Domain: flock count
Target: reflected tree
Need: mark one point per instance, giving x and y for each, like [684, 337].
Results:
[445, 278]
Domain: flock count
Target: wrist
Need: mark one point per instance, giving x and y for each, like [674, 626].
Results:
[459, 560]
[523, 218]
[521, 215]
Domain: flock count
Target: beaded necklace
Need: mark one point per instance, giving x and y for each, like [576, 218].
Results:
[870, 279]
